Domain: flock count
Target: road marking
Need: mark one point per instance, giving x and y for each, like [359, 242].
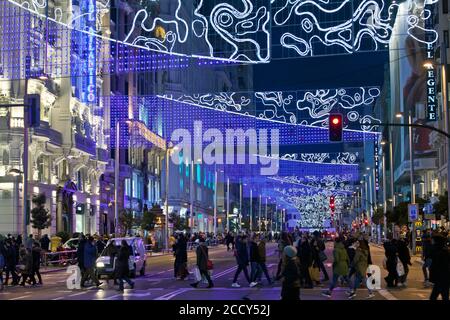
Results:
[59, 298]
[77, 294]
[173, 294]
[386, 294]
[21, 297]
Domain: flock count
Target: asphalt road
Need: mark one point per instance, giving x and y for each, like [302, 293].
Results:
[159, 283]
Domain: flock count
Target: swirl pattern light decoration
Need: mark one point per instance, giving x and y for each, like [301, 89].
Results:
[256, 31]
[340, 183]
[303, 107]
[338, 158]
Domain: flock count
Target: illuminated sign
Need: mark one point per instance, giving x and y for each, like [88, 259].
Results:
[377, 166]
[431, 71]
[90, 53]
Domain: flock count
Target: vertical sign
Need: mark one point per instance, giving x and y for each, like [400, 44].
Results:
[89, 96]
[377, 165]
[431, 70]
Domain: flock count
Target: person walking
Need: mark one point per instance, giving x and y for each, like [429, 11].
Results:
[180, 264]
[242, 259]
[29, 242]
[89, 257]
[122, 266]
[341, 263]
[36, 254]
[440, 268]
[290, 274]
[80, 253]
[284, 241]
[202, 263]
[45, 242]
[405, 259]
[426, 257]
[360, 263]
[229, 239]
[262, 261]
[11, 262]
[305, 255]
[26, 259]
[254, 261]
[319, 256]
[390, 264]
[2, 263]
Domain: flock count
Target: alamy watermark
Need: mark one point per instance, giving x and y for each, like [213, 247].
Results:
[234, 146]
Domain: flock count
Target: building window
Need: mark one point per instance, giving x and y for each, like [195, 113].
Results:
[446, 40]
[444, 6]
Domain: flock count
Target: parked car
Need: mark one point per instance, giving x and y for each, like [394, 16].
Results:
[105, 264]
[71, 244]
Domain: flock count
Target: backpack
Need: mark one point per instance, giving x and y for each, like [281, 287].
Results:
[2, 262]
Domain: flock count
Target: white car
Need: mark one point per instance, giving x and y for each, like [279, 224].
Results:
[105, 264]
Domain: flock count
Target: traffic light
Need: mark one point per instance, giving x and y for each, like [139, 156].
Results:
[335, 127]
[332, 207]
[33, 105]
[366, 222]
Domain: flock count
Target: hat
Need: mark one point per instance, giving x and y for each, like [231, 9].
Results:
[290, 251]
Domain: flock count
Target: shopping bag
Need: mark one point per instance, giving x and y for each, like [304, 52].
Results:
[197, 274]
[314, 273]
[400, 269]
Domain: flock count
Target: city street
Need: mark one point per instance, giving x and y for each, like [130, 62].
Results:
[159, 284]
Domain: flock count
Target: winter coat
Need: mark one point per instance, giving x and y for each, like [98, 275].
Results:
[262, 251]
[27, 261]
[122, 267]
[291, 273]
[181, 250]
[390, 251]
[440, 266]
[341, 260]
[254, 253]
[241, 253]
[426, 245]
[403, 252]
[80, 252]
[202, 257]
[90, 255]
[304, 253]
[11, 257]
[361, 261]
[36, 253]
[45, 242]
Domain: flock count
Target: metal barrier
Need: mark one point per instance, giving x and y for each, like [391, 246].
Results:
[60, 258]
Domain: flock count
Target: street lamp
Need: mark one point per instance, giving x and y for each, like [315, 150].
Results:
[169, 149]
[117, 173]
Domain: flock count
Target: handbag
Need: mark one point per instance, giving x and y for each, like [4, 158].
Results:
[209, 265]
[314, 273]
[197, 274]
[400, 269]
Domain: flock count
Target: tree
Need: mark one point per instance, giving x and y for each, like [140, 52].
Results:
[148, 219]
[399, 215]
[179, 223]
[40, 217]
[126, 220]
[378, 216]
[440, 207]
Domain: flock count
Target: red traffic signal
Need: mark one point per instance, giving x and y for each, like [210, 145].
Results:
[332, 203]
[366, 222]
[335, 127]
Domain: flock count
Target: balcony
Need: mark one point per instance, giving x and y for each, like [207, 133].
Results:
[45, 131]
[102, 155]
[419, 165]
[85, 144]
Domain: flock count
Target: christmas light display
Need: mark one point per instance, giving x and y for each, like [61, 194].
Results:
[340, 157]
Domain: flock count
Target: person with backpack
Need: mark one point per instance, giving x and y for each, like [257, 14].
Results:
[319, 256]
[202, 263]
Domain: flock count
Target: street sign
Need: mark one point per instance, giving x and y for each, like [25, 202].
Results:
[413, 212]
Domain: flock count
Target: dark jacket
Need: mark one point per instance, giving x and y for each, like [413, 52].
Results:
[36, 253]
[11, 257]
[27, 261]
[440, 265]
[291, 273]
[304, 253]
[262, 251]
[80, 252]
[390, 251]
[45, 242]
[122, 268]
[202, 256]
[181, 250]
[241, 253]
[254, 253]
[403, 252]
[90, 255]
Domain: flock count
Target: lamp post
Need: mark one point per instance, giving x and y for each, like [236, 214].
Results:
[215, 203]
[251, 210]
[259, 214]
[228, 204]
[240, 206]
[169, 150]
[383, 163]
